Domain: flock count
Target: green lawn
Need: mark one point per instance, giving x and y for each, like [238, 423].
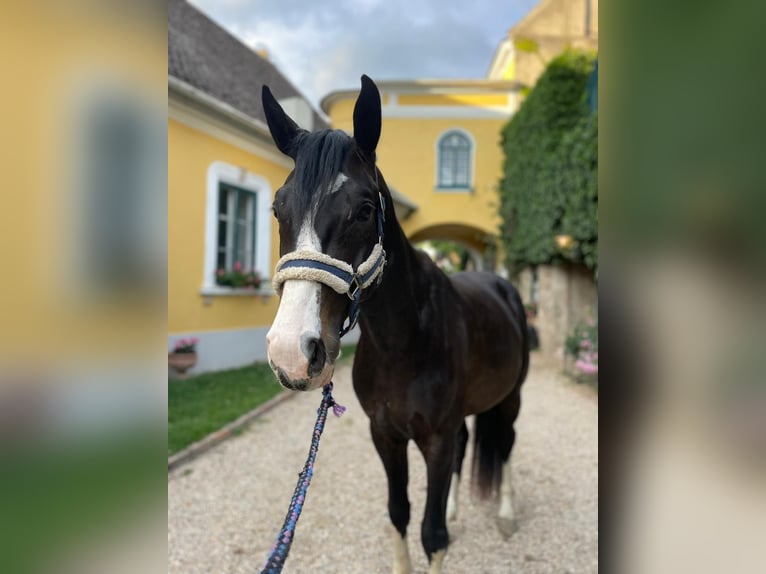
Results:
[347, 353]
[66, 498]
[200, 405]
[203, 404]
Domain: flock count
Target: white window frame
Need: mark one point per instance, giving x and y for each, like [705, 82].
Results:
[232, 223]
[471, 167]
[221, 172]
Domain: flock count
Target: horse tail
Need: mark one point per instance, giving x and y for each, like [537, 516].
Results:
[494, 434]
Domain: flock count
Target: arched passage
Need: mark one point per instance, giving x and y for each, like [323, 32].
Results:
[480, 244]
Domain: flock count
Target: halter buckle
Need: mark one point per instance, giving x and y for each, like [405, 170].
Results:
[354, 288]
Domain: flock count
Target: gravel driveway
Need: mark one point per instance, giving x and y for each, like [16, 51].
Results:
[225, 507]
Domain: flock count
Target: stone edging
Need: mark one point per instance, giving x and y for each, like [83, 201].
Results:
[217, 437]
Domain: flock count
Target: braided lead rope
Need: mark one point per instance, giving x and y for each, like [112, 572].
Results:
[278, 554]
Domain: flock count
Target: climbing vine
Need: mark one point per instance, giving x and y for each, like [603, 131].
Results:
[550, 175]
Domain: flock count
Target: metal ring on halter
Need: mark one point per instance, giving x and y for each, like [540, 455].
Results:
[354, 287]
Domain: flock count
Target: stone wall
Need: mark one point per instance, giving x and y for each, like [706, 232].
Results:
[566, 295]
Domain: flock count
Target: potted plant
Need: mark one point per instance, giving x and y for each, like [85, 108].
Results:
[184, 355]
[238, 278]
[581, 352]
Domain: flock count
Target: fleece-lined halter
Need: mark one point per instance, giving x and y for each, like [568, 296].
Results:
[336, 274]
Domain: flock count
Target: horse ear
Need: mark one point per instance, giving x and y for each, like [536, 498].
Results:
[367, 118]
[283, 129]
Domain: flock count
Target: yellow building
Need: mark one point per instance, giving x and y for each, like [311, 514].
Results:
[223, 170]
[546, 31]
[440, 148]
[439, 152]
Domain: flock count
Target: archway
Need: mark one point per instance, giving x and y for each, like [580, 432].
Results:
[479, 245]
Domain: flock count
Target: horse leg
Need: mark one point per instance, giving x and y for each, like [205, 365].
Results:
[506, 520]
[452, 500]
[439, 454]
[393, 453]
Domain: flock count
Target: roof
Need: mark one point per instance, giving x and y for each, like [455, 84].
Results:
[403, 205]
[205, 56]
[432, 86]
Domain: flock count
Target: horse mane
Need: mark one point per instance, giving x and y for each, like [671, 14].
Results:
[319, 160]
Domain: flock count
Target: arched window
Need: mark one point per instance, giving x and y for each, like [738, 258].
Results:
[454, 160]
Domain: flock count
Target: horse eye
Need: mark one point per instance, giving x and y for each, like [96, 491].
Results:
[365, 212]
[275, 208]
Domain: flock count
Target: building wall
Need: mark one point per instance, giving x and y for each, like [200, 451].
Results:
[407, 156]
[215, 319]
[55, 313]
[566, 295]
[554, 25]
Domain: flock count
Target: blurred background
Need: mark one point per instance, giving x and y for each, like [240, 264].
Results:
[683, 444]
[82, 303]
[84, 307]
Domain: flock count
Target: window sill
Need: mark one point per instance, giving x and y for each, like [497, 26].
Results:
[453, 189]
[218, 291]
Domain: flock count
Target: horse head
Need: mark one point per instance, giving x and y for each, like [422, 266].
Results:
[330, 212]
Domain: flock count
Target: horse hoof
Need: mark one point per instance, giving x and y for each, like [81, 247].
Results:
[507, 526]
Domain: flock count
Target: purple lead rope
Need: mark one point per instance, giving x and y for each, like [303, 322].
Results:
[278, 555]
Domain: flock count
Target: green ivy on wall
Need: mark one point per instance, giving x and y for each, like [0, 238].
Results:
[550, 174]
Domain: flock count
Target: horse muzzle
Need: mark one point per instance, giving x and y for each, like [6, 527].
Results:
[301, 365]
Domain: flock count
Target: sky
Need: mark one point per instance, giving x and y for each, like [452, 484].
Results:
[321, 46]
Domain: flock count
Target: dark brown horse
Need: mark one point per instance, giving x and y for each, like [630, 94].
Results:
[433, 349]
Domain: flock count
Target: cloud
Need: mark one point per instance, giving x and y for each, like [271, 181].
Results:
[326, 46]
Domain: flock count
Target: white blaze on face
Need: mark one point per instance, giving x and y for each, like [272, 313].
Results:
[298, 314]
[338, 183]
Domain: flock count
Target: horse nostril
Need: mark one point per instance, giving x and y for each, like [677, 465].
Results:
[314, 350]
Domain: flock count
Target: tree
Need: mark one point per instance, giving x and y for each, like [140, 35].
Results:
[550, 175]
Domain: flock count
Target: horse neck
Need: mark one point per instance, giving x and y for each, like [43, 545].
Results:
[393, 306]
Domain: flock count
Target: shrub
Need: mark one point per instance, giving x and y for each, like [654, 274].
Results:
[550, 175]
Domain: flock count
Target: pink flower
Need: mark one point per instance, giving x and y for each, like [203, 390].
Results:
[194, 340]
[237, 266]
[585, 344]
[586, 367]
[221, 273]
[591, 323]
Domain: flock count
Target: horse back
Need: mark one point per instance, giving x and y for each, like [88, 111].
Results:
[497, 342]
